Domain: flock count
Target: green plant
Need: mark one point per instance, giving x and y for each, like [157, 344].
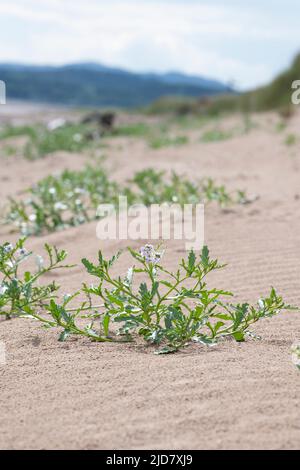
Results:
[150, 186]
[69, 137]
[72, 198]
[9, 150]
[42, 141]
[157, 142]
[17, 131]
[139, 129]
[216, 135]
[290, 140]
[154, 188]
[173, 308]
[280, 126]
[23, 294]
[57, 202]
[156, 135]
[167, 309]
[188, 121]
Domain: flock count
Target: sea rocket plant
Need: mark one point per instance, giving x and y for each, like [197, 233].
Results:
[72, 198]
[22, 294]
[167, 309]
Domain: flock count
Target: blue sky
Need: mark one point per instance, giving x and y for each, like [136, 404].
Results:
[231, 40]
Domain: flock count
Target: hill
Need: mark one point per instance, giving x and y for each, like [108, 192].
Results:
[91, 84]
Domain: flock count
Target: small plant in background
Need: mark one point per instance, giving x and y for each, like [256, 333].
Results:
[216, 135]
[9, 150]
[139, 129]
[167, 141]
[18, 131]
[280, 126]
[212, 192]
[44, 140]
[290, 140]
[155, 188]
[57, 202]
[72, 198]
[168, 309]
[156, 135]
[188, 121]
[150, 186]
[23, 294]
[69, 138]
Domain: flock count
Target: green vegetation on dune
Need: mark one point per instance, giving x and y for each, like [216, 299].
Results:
[17, 131]
[42, 141]
[72, 198]
[76, 137]
[168, 141]
[274, 96]
[139, 129]
[215, 135]
[156, 135]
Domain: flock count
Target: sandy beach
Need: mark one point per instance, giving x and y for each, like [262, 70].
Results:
[84, 395]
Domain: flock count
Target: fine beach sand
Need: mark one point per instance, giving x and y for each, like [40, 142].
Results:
[83, 395]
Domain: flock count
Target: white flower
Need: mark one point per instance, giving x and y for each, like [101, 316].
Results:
[39, 261]
[60, 206]
[3, 289]
[22, 252]
[78, 202]
[261, 304]
[79, 191]
[149, 254]
[77, 137]
[52, 190]
[55, 124]
[32, 217]
[8, 248]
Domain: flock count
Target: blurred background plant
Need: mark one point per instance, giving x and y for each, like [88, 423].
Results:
[72, 198]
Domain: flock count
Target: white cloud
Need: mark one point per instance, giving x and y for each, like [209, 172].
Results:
[144, 35]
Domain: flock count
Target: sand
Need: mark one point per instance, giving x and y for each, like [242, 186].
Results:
[82, 395]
